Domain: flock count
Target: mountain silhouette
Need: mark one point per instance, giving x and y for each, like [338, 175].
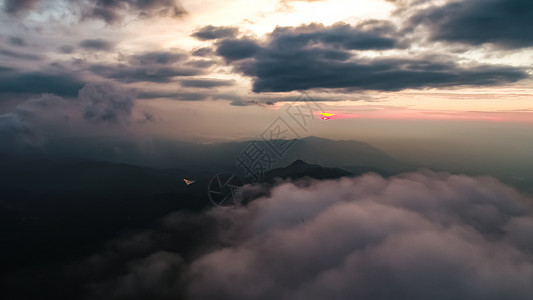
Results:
[300, 169]
[165, 154]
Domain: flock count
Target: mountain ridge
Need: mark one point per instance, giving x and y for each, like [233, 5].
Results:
[165, 154]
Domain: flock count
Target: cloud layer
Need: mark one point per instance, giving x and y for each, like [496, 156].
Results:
[13, 81]
[505, 23]
[316, 56]
[211, 32]
[16, 6]
[416, 236]
[420, 235]
[416, 48]
[109, 11]
[39, 119]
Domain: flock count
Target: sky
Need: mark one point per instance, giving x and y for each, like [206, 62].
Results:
[402, 75]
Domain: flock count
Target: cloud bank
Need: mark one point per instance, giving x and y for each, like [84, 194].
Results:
[211, 32]
[421, 235]
[316, 56]
[415, 236]
[109, 11]
[505, 23]
[98, 106]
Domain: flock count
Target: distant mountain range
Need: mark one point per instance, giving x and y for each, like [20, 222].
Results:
[52, 205]
[76, 194]
[350, 155]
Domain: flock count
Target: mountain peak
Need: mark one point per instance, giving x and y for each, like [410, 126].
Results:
[300, 169]
[299, 163]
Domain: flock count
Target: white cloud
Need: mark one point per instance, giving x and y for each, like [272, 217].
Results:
[415, 236]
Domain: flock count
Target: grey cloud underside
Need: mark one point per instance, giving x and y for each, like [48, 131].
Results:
[201, 63]
[369, 35]
[376, 35]
[211, 32]
[155, 66]
[163, 58]
[12, 81]
[185, 96]
[66, 49]
[109, 11]
[17, 6]
[192, 96]
[158, 57]
[113, 11]
[506, 23]
[143, 74]
[237, 49]
[309, 72]
[315, 56]
[96, 45]
[17, 41]
[202, 52]
[206, 83]
[19, 55]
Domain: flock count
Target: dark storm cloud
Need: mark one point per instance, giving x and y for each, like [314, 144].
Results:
[369, 35]
[158, 57]
[96, 45]
[315, 56]
[154, 66]
[12, 81]
[206, 83]
[506, 23]
[211, 32]
[237, 49]
[143, 74]
[239, 101]
[16, 6]
[371, 74]
[113, 11]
